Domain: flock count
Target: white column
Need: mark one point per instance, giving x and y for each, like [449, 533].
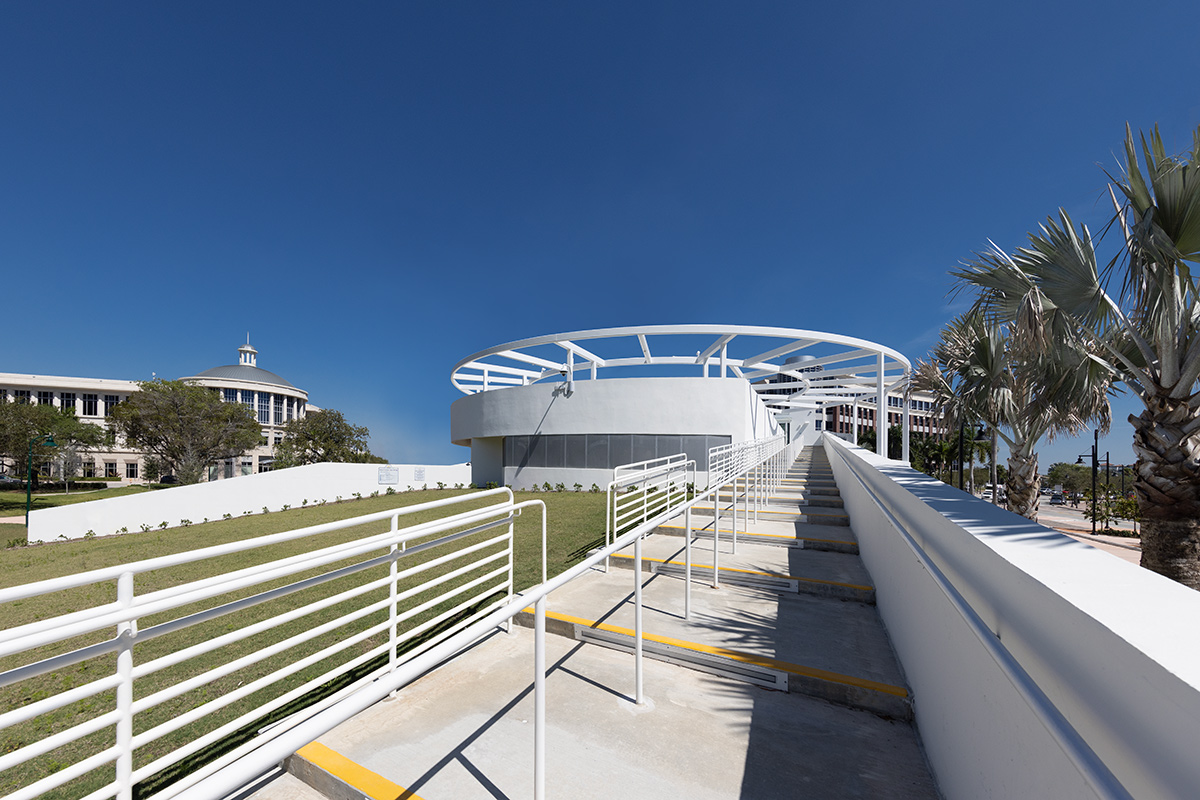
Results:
[881, 412]
[907, 420]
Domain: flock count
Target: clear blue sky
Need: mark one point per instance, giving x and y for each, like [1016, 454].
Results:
[374, 190]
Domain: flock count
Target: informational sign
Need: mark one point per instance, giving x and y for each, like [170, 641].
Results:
[389, 476]
[418, 473]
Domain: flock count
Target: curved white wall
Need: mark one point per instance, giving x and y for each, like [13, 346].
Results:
[650, 406]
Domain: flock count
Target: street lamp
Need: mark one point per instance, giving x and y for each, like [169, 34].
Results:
[48, 440]
[1095, 454]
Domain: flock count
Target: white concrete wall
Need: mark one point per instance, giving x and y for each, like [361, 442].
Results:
[235, 496]
[1114, 647]
[656, 406]
[725, 406]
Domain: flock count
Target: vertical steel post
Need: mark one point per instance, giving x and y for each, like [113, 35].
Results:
[539, 698]
[125, 632]
[687, 561]
[881, 412]
[716, 537]
[392, 569]
[735, 513]
[637, 621]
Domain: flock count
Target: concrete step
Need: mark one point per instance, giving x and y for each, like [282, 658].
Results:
[465, 731]
[778, 533]
[821, 647]
[790, 499]
[820, 515]
[734, 576]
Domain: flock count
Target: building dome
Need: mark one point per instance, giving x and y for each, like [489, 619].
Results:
[245, 370]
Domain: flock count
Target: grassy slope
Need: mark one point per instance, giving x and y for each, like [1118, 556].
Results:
[12, 504]
[575, 524]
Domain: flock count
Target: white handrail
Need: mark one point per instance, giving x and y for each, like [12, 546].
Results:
[485, 567]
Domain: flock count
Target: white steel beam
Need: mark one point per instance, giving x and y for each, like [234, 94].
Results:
[754, 361]
[714, 347]
[528, 359]
[645, 347]
[579, 351]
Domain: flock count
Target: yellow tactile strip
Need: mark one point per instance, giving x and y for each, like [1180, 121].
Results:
[370, 784]
[757, 572]
[737, 655]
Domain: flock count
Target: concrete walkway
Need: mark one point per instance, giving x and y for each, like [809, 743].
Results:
[782, 683]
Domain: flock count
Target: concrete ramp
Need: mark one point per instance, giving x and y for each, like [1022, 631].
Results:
[780, 683]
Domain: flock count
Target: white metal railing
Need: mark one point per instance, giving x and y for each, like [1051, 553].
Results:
[462, 559]
[271, 745]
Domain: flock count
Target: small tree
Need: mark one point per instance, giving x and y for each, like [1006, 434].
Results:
[324, 436]
[184, 426]
[21, 423]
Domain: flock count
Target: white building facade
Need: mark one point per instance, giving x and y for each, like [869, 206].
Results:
[273, 400]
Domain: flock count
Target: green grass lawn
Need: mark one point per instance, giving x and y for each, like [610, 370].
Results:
[13, 503]
[576, 523]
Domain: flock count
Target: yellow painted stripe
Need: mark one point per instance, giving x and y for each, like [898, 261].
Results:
[737, 655]
[372, 785]
[754, 572]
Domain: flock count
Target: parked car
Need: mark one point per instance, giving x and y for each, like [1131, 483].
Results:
[1056, 499]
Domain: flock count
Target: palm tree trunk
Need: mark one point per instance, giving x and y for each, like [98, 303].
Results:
[1023, 485]
[1166, 439]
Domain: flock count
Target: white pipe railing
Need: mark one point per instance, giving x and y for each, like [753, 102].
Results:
[251, 758]
[470, 576]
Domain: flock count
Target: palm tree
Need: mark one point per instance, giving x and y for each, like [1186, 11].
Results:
[982, 368]
[1149, 328]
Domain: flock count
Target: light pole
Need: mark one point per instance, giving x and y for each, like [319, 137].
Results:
[1095, 454]
[48, 440]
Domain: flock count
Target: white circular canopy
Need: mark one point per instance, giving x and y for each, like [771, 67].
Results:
[831, 370]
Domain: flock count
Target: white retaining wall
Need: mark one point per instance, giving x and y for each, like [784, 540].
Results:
[1113, 647]
[235, 496]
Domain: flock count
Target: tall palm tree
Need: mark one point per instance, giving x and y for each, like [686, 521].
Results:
[982, 368]
[1149, 328]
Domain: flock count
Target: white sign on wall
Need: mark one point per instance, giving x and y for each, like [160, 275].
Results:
[389, 476]
[418, 473]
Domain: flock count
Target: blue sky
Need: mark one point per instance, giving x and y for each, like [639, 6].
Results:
[375, 190]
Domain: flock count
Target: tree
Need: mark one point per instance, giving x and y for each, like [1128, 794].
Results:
[1143, 308]
[324, 436]
[991, 369]
[1072, 477]
[184, 427]
[21, 423]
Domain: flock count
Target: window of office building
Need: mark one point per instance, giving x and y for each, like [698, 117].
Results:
[228, 468]
[290, 409]
[248, 399]
[278, 409]
[264, 408]
[90, 402]
[67, 401]
[45, 398]
[110, 469]
[230, 395]
[131, 469]
[279, 438]
[110, 402]
[89, 469]
[266, 464]
[21, 396]
[247, 466]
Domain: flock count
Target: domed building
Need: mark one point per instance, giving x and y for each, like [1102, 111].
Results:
[274, 401]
